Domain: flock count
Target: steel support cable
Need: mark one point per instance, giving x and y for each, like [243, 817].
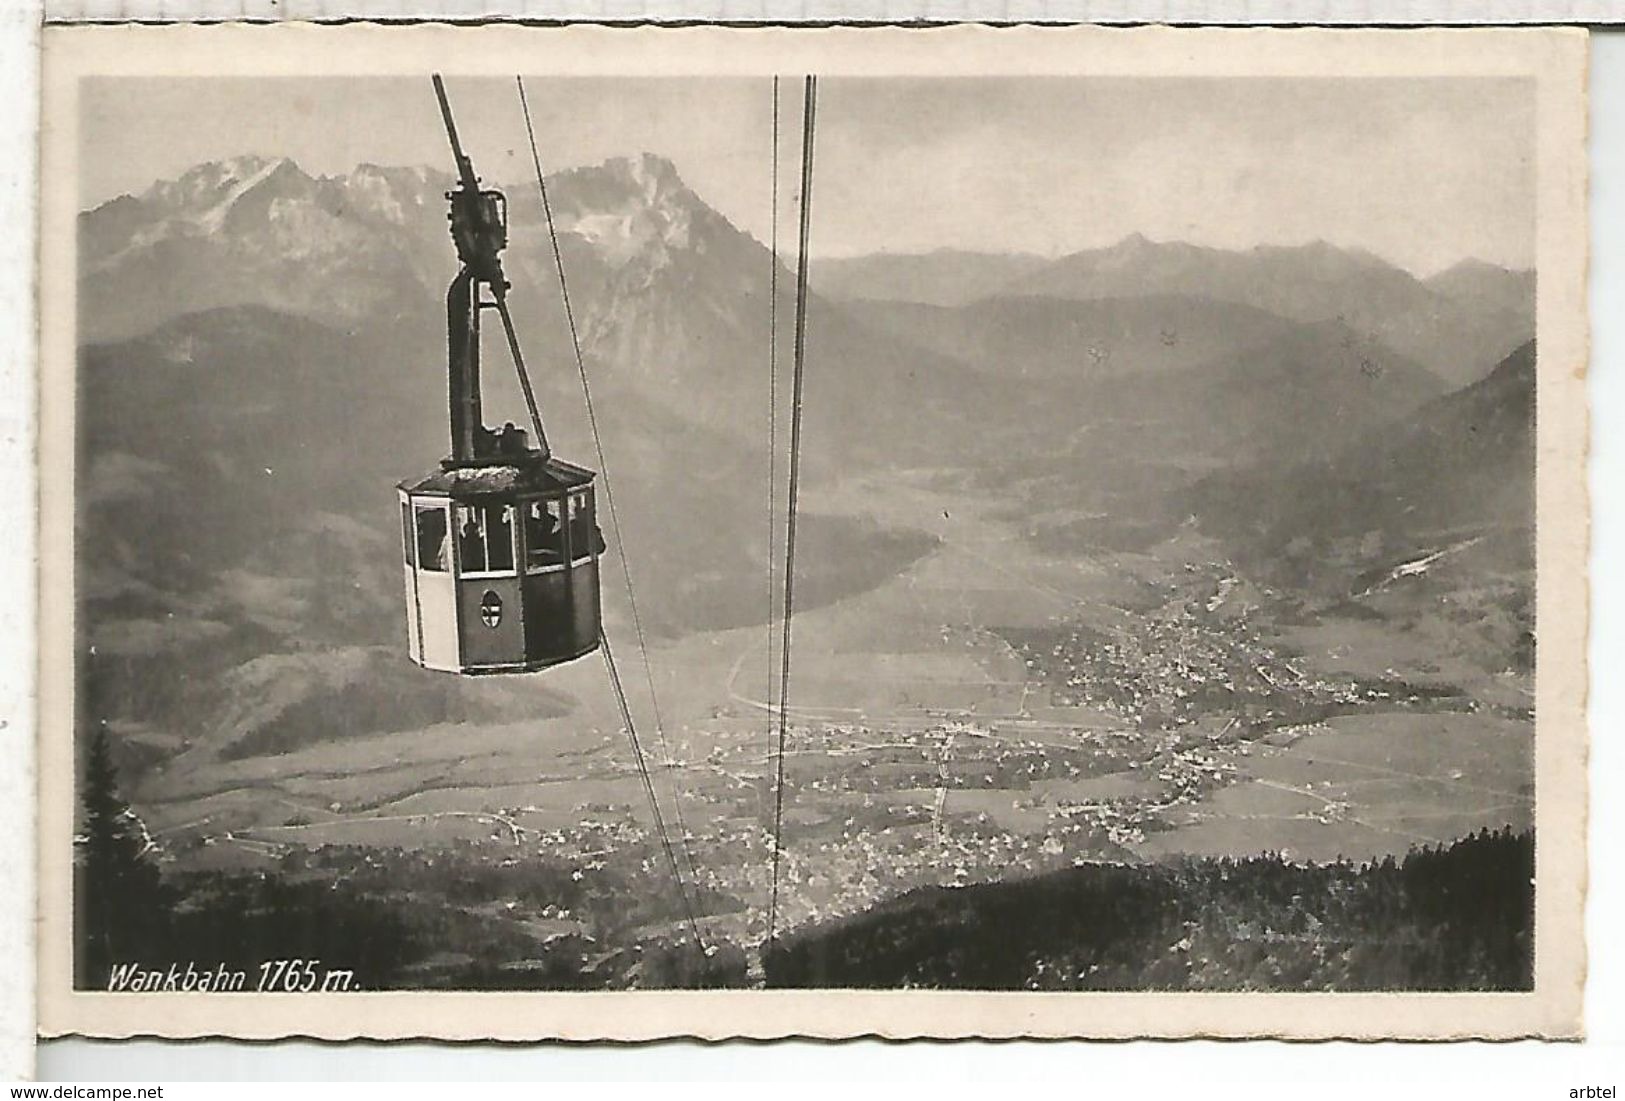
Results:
[772, 412]
[648, 784]
[620, 548]
[798, 373]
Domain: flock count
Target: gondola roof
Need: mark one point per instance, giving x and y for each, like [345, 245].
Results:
[484, 480]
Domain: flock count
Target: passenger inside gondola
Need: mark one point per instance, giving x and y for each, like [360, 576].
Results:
[584, 532]
[432, 541]
[470, 547]
[485, 538]
[511, 440]
[544, 534]
[498, 538]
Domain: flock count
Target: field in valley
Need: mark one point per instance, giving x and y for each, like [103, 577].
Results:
[991, 713]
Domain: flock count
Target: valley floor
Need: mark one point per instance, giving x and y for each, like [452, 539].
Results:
[994, 713]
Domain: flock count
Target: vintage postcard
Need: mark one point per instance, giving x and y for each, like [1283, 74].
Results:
[607, 533]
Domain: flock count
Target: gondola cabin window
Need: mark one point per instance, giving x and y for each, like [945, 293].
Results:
[581, 526]
[485, 539]
[544, 534]
[434, 546]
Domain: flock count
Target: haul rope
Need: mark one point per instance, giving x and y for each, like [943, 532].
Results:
[626, 570]
[810, 99]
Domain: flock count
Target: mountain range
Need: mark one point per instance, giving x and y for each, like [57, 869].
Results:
[263, 357]
[1460, 464]
[1456, 323]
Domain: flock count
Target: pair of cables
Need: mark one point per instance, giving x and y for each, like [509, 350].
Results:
[786, 621]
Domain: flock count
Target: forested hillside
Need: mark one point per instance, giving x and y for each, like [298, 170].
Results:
[1456, 918]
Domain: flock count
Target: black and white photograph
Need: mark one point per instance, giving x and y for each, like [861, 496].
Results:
[524, 529]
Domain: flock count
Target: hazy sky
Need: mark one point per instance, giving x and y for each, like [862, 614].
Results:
[1422, 172]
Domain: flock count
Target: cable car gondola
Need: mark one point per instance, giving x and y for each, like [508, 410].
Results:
[501, 541]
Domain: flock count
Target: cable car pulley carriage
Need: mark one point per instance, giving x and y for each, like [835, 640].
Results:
[501, 541]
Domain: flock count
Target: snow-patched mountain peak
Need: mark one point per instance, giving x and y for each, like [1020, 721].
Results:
[374, 239]
[206, 186]
[241, 194]
[399, 196]
[630, 209]
[653, 173]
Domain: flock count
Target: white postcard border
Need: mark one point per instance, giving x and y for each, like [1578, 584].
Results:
[1554, 58]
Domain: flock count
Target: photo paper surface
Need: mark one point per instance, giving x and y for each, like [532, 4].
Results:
[602, 533]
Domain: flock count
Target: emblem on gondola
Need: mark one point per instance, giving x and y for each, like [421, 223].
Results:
[490, 609]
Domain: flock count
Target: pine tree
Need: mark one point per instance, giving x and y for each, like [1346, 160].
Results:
[118, 895]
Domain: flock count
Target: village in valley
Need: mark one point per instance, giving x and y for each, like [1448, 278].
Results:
[1182, 724]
